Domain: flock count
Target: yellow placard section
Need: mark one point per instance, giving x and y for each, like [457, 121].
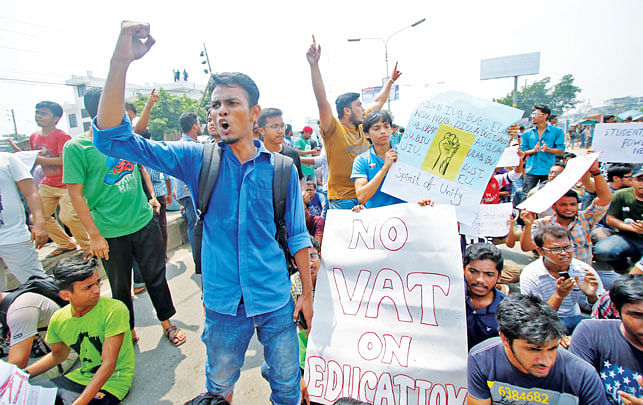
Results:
[447, 152]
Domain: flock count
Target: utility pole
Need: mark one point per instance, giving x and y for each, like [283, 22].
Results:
[15, 128]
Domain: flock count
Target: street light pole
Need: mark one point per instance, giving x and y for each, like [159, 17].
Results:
[385, 42]
[15, 128]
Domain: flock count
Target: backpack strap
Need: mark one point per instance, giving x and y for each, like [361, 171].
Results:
[280, 179]
[207, 180]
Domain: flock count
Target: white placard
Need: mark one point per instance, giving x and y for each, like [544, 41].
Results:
[509, 157]
[390, 323]
[449, 151]
[15, 388]
[621, 142]
[28, 158]
[544, 198]
[490, 221]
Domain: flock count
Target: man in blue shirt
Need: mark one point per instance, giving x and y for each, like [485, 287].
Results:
[245, 281]
[370, 168]
[541, 144]
[483, 264]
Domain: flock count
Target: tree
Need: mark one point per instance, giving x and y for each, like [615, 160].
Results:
[559, 98]
[164, 118]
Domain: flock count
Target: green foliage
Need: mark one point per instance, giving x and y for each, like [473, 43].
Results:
[559, 98]
[164, 118]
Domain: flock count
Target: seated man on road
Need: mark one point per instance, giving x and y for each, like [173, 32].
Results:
[559, 279]
[524, 365]
[482, 267]
[97, 329]
[614, 347]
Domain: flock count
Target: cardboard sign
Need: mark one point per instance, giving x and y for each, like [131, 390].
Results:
[15, 388]
[390, 321]
[553, 190]
[491, 220]
[509, 157]
[449, 151]
[622, 142]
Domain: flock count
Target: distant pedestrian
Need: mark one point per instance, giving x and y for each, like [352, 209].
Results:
[185, 75]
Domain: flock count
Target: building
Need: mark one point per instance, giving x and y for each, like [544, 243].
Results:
[78, 118]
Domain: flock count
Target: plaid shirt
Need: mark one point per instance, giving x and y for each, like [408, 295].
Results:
[580, 230]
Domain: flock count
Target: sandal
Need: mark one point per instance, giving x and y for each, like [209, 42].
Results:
[173, 338]
[60, 251]
[139, 290]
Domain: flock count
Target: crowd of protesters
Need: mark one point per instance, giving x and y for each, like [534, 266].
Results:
[529, 330]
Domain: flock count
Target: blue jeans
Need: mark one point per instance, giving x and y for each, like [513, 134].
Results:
[616, 249]
[342, 203]
[190, 216]
[226, 339]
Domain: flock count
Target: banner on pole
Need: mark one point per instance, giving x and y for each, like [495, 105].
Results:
[449, 151]
[390, 322]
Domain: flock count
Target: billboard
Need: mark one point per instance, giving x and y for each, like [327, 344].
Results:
[509, 66]
[369, 93]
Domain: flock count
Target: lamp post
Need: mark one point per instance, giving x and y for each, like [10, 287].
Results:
[204, 54]
[385, 42]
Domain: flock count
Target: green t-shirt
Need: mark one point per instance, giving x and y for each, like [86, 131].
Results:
[303, 144]
[112, 188]
[86, 335]
[625, 205]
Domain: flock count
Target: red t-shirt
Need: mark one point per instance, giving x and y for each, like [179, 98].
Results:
[52, 146]
[492, 192]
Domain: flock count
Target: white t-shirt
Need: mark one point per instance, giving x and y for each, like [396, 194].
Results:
[13, 228]
[28, 313]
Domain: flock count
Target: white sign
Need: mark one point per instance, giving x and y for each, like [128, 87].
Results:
[490, 221]
[390, 322]
[509, 66]
[622, 142]
[509, 157]
[449, 151]
[553, 190]
[28, 158]
[15, 388]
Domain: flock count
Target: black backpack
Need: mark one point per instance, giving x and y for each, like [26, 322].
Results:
[35, 284]
[208, 179]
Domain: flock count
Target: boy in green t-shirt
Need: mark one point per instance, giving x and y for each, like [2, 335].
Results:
[304, 147]
[96, 328]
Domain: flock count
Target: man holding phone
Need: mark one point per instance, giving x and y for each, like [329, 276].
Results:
[557, 278]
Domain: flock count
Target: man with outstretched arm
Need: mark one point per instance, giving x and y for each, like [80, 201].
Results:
[343, 136]
[245, 281]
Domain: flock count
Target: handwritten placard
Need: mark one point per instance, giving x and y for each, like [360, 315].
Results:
[621, 142]
[491, 220]
[509, 157]
[15, 388]
[553, 190]
[449, 151]
[390, 323]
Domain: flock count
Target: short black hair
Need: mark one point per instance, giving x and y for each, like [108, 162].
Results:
[530, 318]
[288, 129]
[91, 99]
[627, 289]
[131, 107]
[484, 251]
[559, 163]
[229, 79]
[551, 117]
[268, 113]
[208, 398]
[69, 271]
[608, 117]
[571, 193]
[553, 230]
[618, 170]
[543, 109]
[350, 401]
[315, 243]
[344, 101]
[566, 155]
[374, 117]
[187, 121]
[55, 108]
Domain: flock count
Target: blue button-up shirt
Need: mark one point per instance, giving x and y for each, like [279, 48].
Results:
[240, 256]
[158, 182]
[540, 162]
[180, 184]
[366, 166]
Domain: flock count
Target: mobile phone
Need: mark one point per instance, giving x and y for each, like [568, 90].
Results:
[564, 274]
[301, 321]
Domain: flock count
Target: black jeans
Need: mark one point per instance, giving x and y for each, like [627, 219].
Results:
[531, 180]
[146, 246]
[68, 392]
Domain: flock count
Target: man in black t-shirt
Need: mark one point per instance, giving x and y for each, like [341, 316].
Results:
[614, 347]
[272, 127]
[525, 366]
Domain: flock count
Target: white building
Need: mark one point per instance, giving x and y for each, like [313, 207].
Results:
[78, 118]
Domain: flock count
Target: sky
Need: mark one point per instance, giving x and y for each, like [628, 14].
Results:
[43, 43]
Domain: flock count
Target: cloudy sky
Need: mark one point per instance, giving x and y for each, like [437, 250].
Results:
[42, 43]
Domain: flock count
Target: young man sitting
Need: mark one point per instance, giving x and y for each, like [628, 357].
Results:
[96, 328]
